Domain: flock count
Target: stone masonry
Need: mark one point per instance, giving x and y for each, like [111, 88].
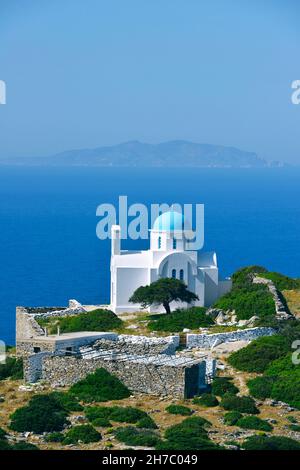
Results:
[281, 309]
[206, 341]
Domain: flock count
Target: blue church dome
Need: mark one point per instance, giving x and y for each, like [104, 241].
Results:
[170, 221]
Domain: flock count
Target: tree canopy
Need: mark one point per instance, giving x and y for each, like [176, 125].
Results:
[163, 292]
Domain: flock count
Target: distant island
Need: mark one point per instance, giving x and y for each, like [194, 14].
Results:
[176, 153]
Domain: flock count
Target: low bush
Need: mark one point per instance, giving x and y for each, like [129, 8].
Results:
[240, 404]
[13, 369]
[146, 423]
[190, 434]
[101, 423]
[84, 433]
[126, 414]
[261, 387]
[206, 399]
[270, 443]
[4, 445]
[132, 436]
[43, 413]
[292, 419]
[257, 356]
[97, 320]
[253, 422]
[24, 446]
[294, 427]
[243, 276]
[192, 318]
[232, 417]
[67, 401]
[287, 388]
[99, 386]
[55, 437]
[281, 381]
[222, 385]
[254, 299]
[196, 443]
[3, 434]
[246, 298]
[179, 410]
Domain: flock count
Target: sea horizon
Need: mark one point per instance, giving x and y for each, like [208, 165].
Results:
[48, 244]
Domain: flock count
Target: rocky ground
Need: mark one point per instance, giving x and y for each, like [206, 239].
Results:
[15, 395]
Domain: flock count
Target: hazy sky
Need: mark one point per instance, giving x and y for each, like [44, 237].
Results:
[86, 73]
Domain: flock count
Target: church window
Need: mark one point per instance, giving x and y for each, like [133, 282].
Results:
[174, 273]
[159, 243]
[181, 274]
[174, 243]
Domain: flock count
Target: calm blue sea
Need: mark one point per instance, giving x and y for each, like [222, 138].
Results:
[49, 251]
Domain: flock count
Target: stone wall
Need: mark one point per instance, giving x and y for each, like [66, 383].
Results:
[32, 366]
[207, 341]
[282, 312]
[144, 377]
[133, 344]
[61, 342]
[26, 326]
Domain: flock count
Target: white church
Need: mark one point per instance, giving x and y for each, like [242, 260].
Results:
[168, 256]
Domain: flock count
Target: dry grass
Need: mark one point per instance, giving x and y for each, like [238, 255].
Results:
[293, 300]
[156, 407]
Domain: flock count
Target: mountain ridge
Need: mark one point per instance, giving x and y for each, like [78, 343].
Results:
[174, 153]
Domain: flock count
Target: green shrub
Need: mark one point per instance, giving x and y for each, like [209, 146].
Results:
[4, 445]
[67, 401]
[95, 412]
[97, 320]
[206, 399]
[294, 427]
[281, 381]
[244, 275]
[3, 434]
[222, 385]
[190, 434]
[232, 417]
[246, 298]
[24, 446]
[241, 404]
[42, 414]
[261, 387]
[196, 443]
[257, 356]
[192, 318]
[292, 419]
[132, 436]
[99, 386]
[146, 423]
[101, 423]
[179, 410]
[126, 414]
[287, 388]
[55, 437]
[253, 422]
[255, 299]
[283, 365]
[84, 433]
[13, 368]
[270, 443]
